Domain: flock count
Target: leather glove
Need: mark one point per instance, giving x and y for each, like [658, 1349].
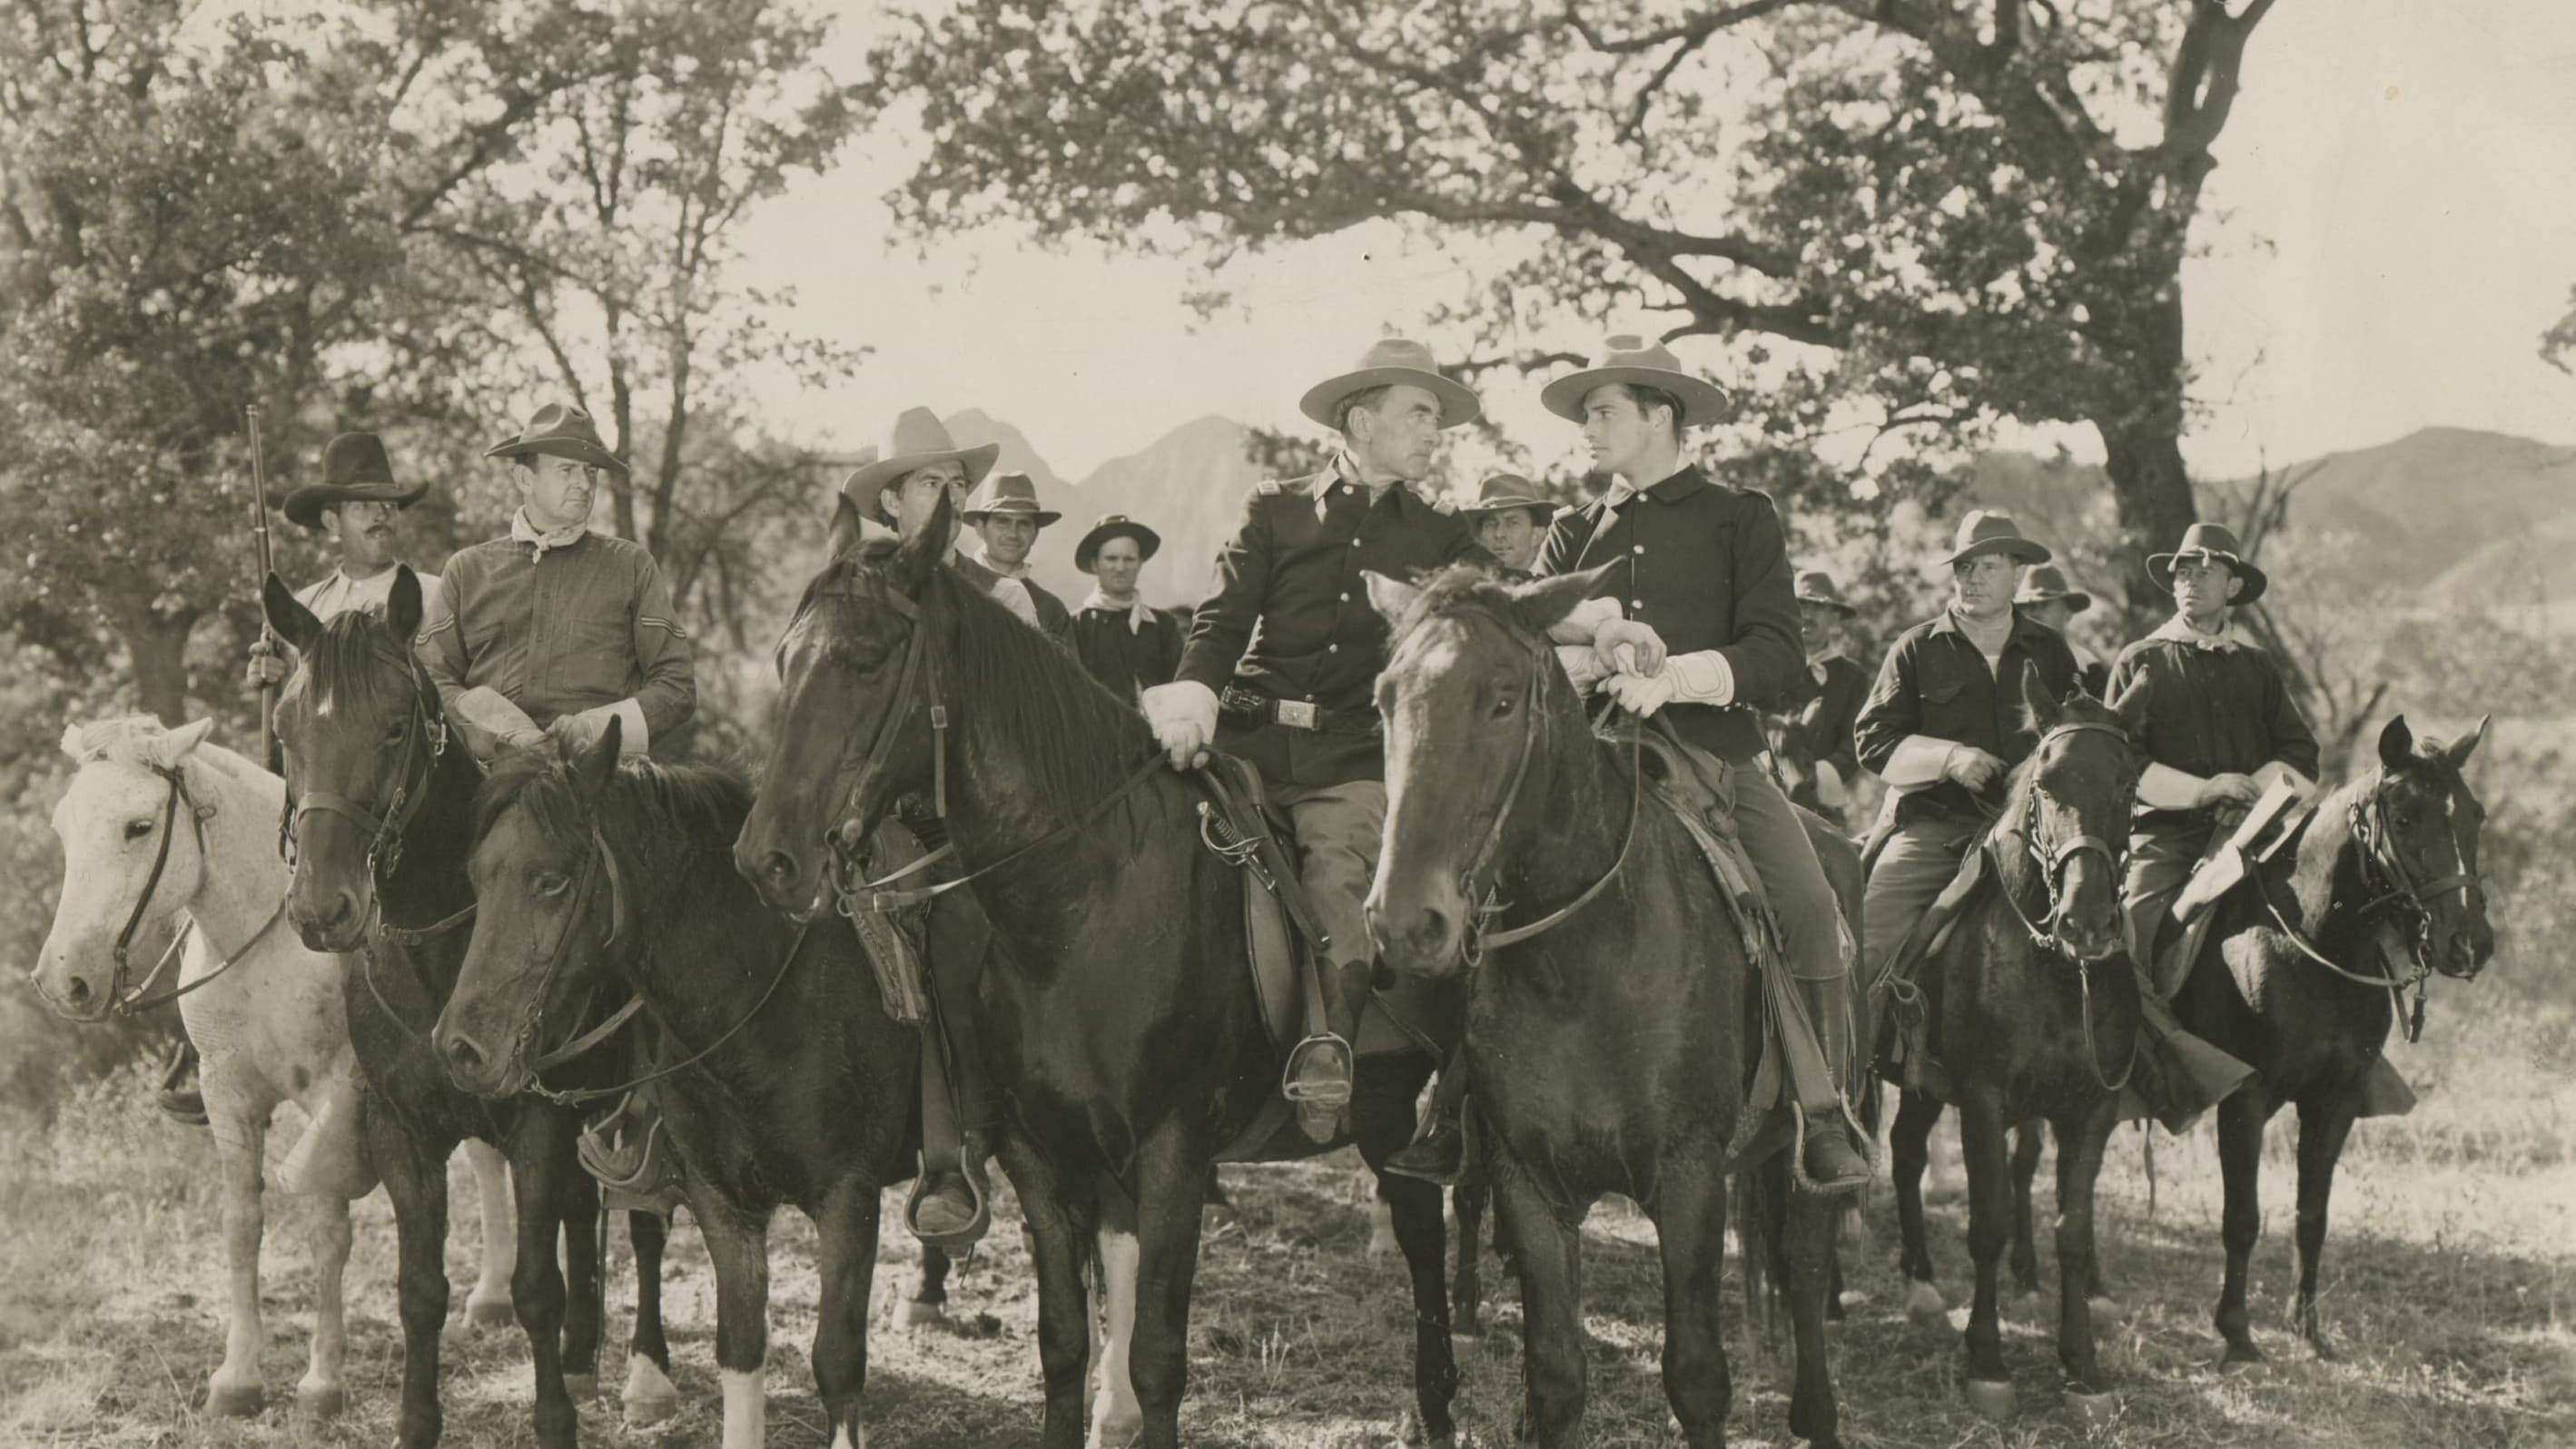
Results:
[2228, 790]
[1971, 767]
[1183, 716]
[1642, 694]
[266, 665]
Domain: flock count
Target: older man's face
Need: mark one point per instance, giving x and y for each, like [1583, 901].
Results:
[363, 533]
[557, 491]
[1117, 564]
[1982, 587]
[916, 497]
[2204, 586]
[1511, 536]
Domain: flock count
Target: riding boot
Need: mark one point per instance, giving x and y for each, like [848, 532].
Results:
[1815, 1042]
[949, 1203]
[1317, 1078]
[182, 1097]
[1439, 1152]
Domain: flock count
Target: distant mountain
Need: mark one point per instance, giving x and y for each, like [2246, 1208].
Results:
[975, 427]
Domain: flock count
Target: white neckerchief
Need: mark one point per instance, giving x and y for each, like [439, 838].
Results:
[1011, 590]
[522, 531]
[2179, 630]
[1018, 570]
[1134, 608]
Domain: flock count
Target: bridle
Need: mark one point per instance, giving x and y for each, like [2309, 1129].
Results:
[384, 832]
[120, 1001]
[1481, 890]
[2047, 933]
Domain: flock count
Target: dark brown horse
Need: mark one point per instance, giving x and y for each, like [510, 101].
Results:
[2035, 1011]
[381, 816]
[2306, 973]
[1610, 1050]
[793, 1085]
[1121, 1020]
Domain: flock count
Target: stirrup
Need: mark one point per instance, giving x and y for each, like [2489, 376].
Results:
[1294, 1089]
[623, 1159]
[959, 1245]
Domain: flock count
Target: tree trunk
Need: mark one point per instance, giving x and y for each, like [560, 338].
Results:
[2153, 492]
[158, 645]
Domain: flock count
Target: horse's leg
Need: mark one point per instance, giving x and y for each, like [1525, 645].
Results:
[1382, 1119]
[1690, 1233]
[1064, 1339]
[415, 1178]
[1467, 1289]
[1909, 1152]
[2027, 1143]
[2240, 1162]
[2080, 1143]
[1118, 1414]
[585, 1259]
[738, 1246]
[848, 1230]
[1165, 1253]
[541, 1153]
[1982, 1127]
[929, 1300]
[240, 1121]
[1810, 1237]
[488, 1305]
[320, 1395]
[2324, 1123]
[649, 1396]
[1550, 1263]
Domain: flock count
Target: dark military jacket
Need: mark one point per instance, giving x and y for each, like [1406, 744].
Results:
[1125, 657]
[1706, 567]
[1821, 729]
[1291, 620]
[1934, 682]
[2215, 706]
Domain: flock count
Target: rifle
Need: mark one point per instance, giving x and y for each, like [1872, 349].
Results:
[270, 749]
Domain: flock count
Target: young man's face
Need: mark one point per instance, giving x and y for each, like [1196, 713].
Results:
[1008, 537]
[1982, 587]
[1511, 536]
[1117, 564]
[363, 535]
[916, 497]
[557, 492]
[2203, 588]
[1822, 624]
[1623, 438]
[1395, 434]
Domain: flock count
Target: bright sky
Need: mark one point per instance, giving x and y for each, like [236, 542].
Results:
[2392, 225]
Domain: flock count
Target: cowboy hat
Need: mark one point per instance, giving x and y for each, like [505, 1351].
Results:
[917, 440]
[1506, 491]
[561, 430]
[1630, 359]
[1114, 525]
[1390, 361]
[2211, 540]
[1991, 530]
[354, 470]
[1815, 586]
[2046, 584]
[1009, 493]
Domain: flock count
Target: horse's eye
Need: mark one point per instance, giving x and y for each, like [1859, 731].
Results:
[553, 884]
[1504, 704]
[395, 730]
[137, 829]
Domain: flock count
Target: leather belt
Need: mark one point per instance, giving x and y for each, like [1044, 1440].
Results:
[1253, 707]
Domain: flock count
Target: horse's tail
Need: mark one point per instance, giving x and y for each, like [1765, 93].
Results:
[1761, 1206]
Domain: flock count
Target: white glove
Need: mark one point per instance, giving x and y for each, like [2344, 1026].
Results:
[1183, 716]
[1629, 646]
[1642, 694]
[583, 728]
[1581, 665]
[491, 722]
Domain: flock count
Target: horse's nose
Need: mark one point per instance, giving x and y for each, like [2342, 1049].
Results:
[1420, 939]
[327, 927]
[76, 992]
[466, 1058]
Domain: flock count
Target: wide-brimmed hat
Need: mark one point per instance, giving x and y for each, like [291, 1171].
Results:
[354, 470]
[1815, 586]
[1634, 361]
[1390, 361]
[917, 440]
[2211, 540]
[2046, 584]
[561, 430]
[1991, 530]
[1114, 525]
[1506, 491]
[1014, 493]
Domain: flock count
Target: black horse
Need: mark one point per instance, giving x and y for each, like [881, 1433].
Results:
[381, 816]
[795, 1085]
[2036, 1013]
[1122, 1021]
[2310, 960]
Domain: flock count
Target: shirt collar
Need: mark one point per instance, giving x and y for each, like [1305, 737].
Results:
[1135, 610]
[1014, 571]
[1346, 474]
[1683, 482]
[2177, 630]
[2024, 627]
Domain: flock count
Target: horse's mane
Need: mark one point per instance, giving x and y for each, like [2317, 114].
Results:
[1078, 741]
[2024, 778]
[652, 813]
[1459, 588]
[342, 662]
[127, 740]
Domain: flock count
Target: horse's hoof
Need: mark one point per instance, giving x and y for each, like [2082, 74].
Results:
[318, 1402]
[1115, 1436]
[231, 1401]
[649, 1396]
[1991, 1398]
[2241, 1353]
[915, 1312]
[2095, 1411]
[581, 1387]
[1924, 1308]
[490, 1313]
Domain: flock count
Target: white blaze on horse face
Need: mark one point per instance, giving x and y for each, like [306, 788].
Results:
[746, 1408]
[1115, 1416]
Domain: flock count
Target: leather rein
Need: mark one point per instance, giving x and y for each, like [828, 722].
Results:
[2047, 933]
[1483, 892]
[385, 832]
[122, 1002]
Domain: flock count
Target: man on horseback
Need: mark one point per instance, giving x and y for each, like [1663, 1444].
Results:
[1124, 642]
[1280, 661]
[2045, 595]
[1007, 516]
[1819, 734]
[1700, 622]
[1511, 522]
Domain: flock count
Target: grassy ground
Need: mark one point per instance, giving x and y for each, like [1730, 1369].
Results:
[2448, 1281]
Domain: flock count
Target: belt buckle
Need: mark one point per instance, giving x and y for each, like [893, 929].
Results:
[1300, 714]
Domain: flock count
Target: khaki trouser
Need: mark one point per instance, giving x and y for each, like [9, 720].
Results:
[2164, 849]
[1338, 829]
[1819, 1060]
[1918, 862]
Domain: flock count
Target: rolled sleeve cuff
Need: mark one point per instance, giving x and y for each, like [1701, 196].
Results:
[2163, 787]
[1586, 619]
[1701, 677]
[1917, 761]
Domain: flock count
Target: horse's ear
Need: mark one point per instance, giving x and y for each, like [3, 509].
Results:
[2131, 707]
[2396, 745]
[2044, 709]
[403, 604]
[1391, 597]
[1542, 605]
[847, 528]
[294, 623]
[595, 764]
[168, 749]
[72, 733]
[918, 558]
[2456, 753]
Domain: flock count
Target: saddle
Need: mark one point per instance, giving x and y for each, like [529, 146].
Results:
[1905, 1050]
[2269, 826]
[1283, 937]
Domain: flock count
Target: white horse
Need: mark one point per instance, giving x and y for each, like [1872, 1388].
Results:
[158, 825]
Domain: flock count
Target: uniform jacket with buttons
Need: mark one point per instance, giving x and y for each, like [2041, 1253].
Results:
[1291, 618]
[1935, 683]
[1705, 566]
[2215, 707]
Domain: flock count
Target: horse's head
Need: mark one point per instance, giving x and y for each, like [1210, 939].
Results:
[547, 901]
[2418, 829]
[2072, 814]
[852, 735]
[363, 730]
[1473, 701]
[133, 855]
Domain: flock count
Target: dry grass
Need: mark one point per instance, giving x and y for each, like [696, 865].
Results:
[2448, 1282]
